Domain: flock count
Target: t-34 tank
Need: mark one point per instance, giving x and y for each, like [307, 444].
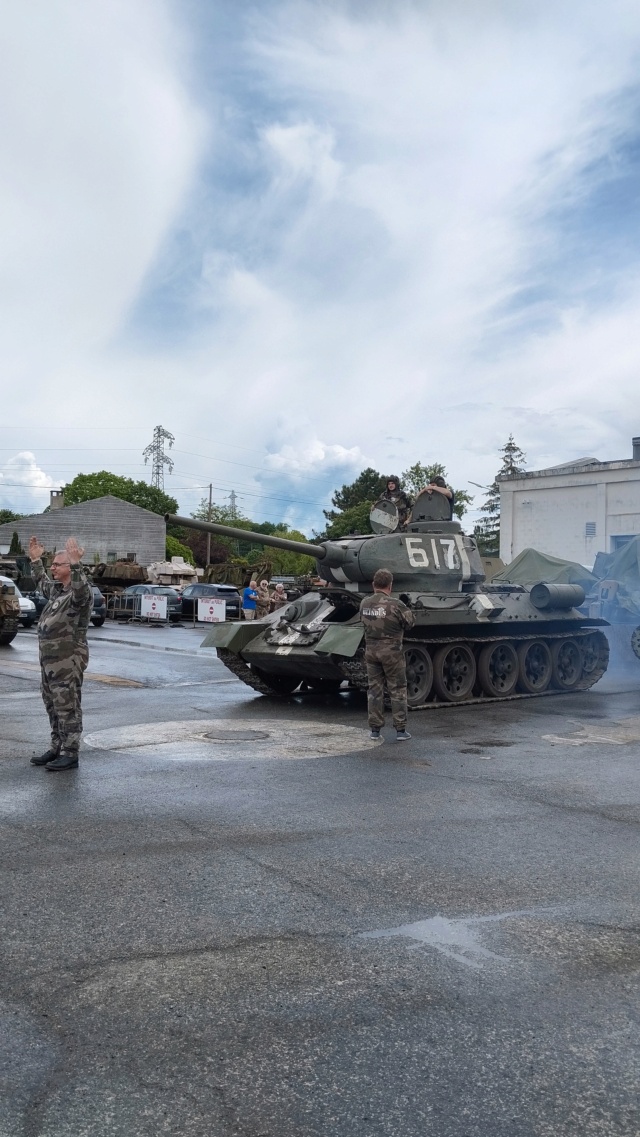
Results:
[472, 641]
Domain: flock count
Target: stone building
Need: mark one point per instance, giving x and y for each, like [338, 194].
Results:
[572, 511]
[108, 529]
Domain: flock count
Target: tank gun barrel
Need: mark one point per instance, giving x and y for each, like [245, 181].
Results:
[317, 551]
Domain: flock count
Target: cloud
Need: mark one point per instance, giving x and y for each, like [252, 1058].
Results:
[98, 154]
[405, 230]
[24, 486]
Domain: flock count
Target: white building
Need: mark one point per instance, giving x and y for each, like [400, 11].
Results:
[572, 511]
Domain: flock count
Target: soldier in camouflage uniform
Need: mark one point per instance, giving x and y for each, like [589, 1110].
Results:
[385, 620]
[62, 636]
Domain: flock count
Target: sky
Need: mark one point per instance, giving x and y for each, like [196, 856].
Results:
[309, 236]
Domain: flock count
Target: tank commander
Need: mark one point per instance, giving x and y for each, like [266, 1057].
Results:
[385, 620]
[62, 641]
[400, 499]
[438, 485]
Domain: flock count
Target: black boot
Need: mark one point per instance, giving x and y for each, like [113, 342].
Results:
[63, 762]
[42, 759]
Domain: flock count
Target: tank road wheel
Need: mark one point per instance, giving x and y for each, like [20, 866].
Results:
[279, 684]
[635, 642]
[419, 674]
[498, 669]
[454, 672]
[566, 657]
[591, 648]
[535, 668]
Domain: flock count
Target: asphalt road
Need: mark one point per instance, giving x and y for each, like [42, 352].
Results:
[239, 916]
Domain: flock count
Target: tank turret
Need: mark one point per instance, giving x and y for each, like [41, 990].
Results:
[430, 554]
[471, 641]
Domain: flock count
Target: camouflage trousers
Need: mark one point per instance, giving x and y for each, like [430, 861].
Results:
[61, 686]
[385, 663]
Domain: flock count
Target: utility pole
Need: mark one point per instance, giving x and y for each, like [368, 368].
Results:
[209, 519]
[155, 452]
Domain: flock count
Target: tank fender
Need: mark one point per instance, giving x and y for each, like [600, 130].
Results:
[235, 637]
[340, 639]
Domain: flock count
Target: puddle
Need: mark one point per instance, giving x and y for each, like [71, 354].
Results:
[457, 939]
[614, 733]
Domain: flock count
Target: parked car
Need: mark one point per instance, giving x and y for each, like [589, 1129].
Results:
[128, 602]
[99, 610]
[194, 592]
[28, 614]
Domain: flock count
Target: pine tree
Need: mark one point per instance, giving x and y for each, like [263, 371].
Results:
[487, 531]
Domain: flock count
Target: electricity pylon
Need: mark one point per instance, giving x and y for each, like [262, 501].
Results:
[155, 452]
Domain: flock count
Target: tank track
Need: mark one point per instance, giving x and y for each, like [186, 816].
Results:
[8, 630]
[237, 665]
[356, 672]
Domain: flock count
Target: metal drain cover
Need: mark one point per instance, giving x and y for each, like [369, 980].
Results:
[226, 740]
[236, 735]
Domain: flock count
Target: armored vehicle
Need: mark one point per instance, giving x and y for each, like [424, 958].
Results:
[9, 612]
[472, 640]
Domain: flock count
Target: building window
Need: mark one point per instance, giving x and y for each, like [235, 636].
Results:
[621, 539]
[111, 558]
[590, 529]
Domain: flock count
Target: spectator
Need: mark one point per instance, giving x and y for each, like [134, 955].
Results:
[249, 598]
[279, 598]
[263, 603]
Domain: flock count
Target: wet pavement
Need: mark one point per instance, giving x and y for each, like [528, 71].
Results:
[241, 916]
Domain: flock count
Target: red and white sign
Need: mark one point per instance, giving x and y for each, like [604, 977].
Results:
[212, 610]
[153, 607]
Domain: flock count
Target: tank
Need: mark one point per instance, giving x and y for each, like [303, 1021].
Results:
[472, 641]
[9, 613]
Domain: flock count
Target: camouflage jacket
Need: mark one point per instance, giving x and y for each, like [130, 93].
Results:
[62, 627]
[384, 617]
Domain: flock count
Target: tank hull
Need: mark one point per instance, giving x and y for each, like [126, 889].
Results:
[454, 655]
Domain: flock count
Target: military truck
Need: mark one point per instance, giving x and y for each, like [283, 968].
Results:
[9, 613]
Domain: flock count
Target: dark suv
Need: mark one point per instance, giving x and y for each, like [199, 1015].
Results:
[194, 592]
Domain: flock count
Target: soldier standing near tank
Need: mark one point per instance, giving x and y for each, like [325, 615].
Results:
[385, 621]
[62, 640]
[400, 499]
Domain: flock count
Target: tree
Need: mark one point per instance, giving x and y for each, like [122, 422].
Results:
[7, 515]
[418, 476]
[15, 548]
[353, 520]
[487, 531]
[85, 487]
[353, 504]
[284, 562]
[367, 487]
[177, 549]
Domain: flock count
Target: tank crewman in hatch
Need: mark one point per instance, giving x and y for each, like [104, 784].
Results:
[438, 485]
[62, 639]
[385, 620]
[401, 500]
